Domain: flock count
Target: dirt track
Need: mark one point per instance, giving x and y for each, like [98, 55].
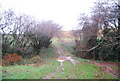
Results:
[60, 55]
[114, 72]
[104, 65]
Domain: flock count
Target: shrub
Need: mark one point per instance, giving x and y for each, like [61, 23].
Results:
[11, 59]
[39, 42]
[35, 59]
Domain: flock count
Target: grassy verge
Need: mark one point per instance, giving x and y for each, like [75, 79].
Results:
[28, 72]
[44, 62]
[48, 64]
[82, 71]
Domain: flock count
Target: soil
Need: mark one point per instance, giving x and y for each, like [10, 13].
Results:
[60, 51]
[105, 65]
[114, 72]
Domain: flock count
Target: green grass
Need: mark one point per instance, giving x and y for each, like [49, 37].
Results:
[47, 65]
[113, 67]
[58, 42]
[0, 73]
[28, 72]
[82, 71]
[42, 57]
[81, 59]
[64, 43]
[48, 53]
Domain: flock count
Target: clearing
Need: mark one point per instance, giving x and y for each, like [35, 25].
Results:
[57, 62]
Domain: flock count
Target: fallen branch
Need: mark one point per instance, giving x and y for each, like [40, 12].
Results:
[92, 48]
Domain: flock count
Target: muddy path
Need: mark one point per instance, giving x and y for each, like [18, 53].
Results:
[105, 65]
[61, 54]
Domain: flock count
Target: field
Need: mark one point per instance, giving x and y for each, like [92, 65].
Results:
[44, 65]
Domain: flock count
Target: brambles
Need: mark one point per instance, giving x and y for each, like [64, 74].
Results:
[11, 59]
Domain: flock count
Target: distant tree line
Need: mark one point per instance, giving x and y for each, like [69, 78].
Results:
[23, 35]
[99, 38]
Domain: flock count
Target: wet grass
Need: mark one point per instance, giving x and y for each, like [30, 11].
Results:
[28, 72]
[114, 67]
[82, 71]
[44, 62]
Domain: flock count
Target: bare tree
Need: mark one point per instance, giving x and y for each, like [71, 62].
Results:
[48, 28]
[105, 16]
[24, 35]
[42, 34]
[108, 13]
[13, 28]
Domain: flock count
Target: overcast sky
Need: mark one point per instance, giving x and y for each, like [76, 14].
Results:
[63, 12]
